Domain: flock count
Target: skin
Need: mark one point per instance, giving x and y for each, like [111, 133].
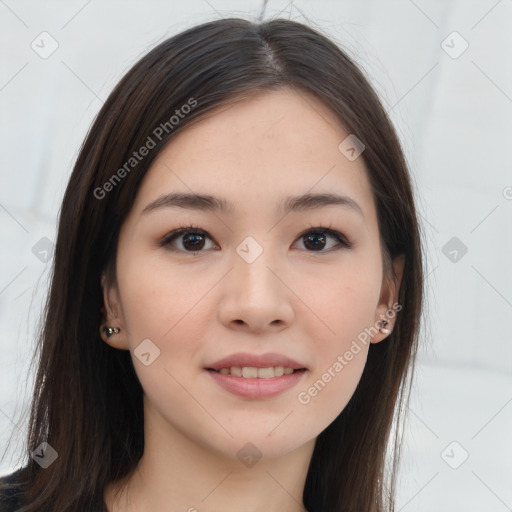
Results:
[308, 305]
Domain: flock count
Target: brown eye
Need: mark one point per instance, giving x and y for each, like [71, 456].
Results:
[316, 240]
[191, 240]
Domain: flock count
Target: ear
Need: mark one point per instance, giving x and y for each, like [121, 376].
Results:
[111, 316]
[389, 295]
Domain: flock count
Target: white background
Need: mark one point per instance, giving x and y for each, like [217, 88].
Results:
[453, 115]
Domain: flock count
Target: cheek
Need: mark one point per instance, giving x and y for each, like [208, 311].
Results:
[163, 304]
[340, 306]
[158, 298]
[341, 352]
[329, 389]
[344, 308]
[154, 310]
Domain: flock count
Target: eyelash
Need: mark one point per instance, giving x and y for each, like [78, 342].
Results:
[343, 242]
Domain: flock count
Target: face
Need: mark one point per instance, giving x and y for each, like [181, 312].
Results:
[254, 277]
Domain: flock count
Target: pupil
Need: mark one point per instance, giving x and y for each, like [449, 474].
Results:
[195, 241]
[316, 245]
[195, 244]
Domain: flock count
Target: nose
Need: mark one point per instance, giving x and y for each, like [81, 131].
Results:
[256, 296]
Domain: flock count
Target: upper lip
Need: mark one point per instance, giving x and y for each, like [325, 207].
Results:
[242, 359]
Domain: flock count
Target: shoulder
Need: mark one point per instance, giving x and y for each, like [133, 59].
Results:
[12, 489]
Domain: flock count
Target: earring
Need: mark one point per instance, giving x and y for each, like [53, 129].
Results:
[110, 330]
[384, 323]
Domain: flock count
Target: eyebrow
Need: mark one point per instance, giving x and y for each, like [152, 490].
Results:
[210, 203]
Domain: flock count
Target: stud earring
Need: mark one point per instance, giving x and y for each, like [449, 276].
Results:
[383, 324]
[110, 330]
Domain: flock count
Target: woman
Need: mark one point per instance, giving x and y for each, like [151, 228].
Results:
[237, 288]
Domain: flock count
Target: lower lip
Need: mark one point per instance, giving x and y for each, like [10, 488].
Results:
[256, 388]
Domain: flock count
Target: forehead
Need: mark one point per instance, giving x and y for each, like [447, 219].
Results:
[257, 151]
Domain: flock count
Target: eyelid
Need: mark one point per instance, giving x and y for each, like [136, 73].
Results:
[343, 241]
[330, 230]
[174, 234]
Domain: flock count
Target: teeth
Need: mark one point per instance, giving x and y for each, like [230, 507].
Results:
[236, 370]
[251, 372]
[279, 371]
[266, 373]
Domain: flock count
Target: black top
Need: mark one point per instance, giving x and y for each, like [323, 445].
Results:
[12, 495]
[10, 498]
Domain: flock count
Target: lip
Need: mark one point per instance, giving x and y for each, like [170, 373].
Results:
[259, 361]
[256, 388]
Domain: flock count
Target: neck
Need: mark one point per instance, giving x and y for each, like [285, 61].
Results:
[177, 474]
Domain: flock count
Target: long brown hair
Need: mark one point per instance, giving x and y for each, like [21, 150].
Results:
[87, 400]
